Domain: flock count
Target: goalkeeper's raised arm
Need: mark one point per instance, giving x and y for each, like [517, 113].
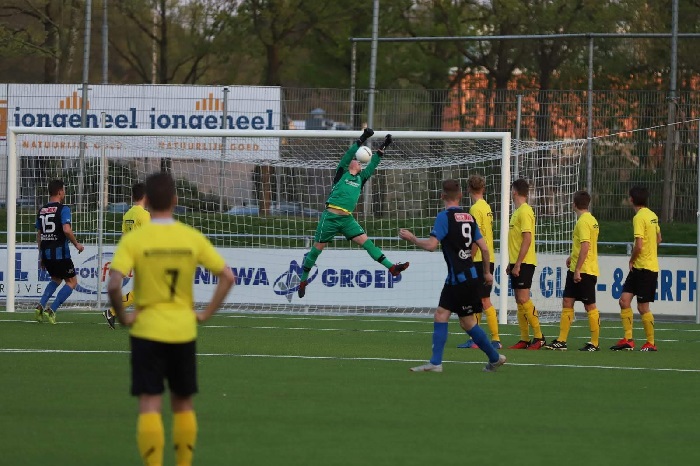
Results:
[349, 155]
[376, 158]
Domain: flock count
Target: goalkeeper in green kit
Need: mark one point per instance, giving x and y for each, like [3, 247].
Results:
[349, 180]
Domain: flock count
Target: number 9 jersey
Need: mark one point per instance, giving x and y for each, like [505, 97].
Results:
[457, 231]
[164, 255]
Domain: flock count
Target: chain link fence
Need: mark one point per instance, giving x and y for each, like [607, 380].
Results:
[629, 130]
[629, 127]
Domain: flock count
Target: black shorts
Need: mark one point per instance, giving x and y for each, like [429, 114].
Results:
[584, 290]
[484, 289]
[524, 280]
[59, 268]
[641, 283]
[152, 362]
[463, 299]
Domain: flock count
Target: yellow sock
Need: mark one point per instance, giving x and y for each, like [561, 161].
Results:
[594, 325]
[478, 318]
[532, 318]
[150, 437]
[127, 299]
[184, 436]
[626, 317]
[522, 324]
[567, 317]
[492, 322]
[648, 323]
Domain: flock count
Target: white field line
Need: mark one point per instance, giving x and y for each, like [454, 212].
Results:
[333, 329]
[388, 318]
[339, 358]
[354, 330]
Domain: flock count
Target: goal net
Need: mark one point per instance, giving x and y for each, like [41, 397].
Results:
[258, 196]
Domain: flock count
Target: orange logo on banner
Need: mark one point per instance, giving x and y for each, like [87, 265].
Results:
[209, 103]
[72, 102]
[3, 119]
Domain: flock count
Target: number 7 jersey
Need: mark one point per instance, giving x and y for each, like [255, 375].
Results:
[164, 256]
[457, 231]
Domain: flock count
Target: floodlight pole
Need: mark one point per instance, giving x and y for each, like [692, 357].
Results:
[370, 103]
[105, 43]
[589, 160]
[84, 103]
[353, 78]
[667, 203]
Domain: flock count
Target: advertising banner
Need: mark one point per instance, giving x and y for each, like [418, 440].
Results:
[144, 107]
[351, 278]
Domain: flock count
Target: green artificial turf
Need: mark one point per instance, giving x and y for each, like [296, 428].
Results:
[310, 390]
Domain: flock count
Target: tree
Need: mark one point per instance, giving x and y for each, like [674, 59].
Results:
[277, 28]
[183, 34]
[47, 29]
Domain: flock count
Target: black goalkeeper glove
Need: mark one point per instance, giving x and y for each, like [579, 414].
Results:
[387, 142]
[366, 134]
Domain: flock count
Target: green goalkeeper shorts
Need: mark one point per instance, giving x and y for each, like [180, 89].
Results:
[330, 225]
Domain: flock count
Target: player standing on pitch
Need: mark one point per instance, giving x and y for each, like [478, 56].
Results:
[457, 231]
[164, 256]
[643, 277]
[53, 224]
[483, 216]
[134, 218]
[349, 180]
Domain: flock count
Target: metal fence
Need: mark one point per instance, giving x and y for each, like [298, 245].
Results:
[629, 130]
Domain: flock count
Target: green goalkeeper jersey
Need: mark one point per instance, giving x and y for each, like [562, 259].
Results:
[346, 186]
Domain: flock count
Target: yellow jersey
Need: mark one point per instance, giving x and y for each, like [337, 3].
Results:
[646, 226]
[481, 211]
[586, 231]
[164, 256]
[521, 221]
[134, 218]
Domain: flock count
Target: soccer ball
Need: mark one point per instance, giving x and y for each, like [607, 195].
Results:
[363, 154]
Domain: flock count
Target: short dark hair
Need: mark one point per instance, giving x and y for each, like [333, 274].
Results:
[639, 195]
[451, 190]
[476, 183]
[138, 190]
[55, 186]
[582, 200]
[160, 191]
[521, 187]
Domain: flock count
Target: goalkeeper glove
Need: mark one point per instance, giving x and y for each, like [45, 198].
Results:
[387, 142]
[366, 134]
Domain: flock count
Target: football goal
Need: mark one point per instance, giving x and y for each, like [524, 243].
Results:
[258, 194]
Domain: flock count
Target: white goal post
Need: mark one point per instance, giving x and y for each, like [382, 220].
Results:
[443, 154]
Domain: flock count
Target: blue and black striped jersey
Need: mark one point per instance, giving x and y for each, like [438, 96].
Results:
[457, 231]
[49, 222]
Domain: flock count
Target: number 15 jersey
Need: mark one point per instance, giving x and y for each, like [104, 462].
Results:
[164, 256]
[457, 231]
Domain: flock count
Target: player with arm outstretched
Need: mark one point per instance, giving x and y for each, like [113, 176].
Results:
[134, 218]
[54, 231]
[348, 182]
[455, 230]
